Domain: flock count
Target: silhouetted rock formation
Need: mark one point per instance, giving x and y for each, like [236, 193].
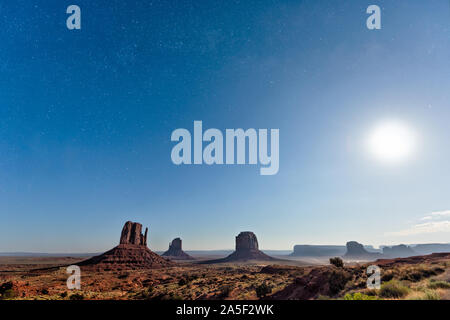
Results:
[176, 252]
[356, 250]
[399, 251]
[246, 250]
[131, 253]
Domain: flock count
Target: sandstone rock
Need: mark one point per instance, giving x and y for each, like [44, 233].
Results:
[356, 250]
[246, 250]
[176, 252]
[131, 253]
[246, 241]
[132, 234]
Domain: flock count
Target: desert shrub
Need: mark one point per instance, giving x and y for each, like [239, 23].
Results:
[76, 296]
[393, 289]
[8, 294]
[438, 270]
[225, 291]
[388, 276]
[337, 280]
[187, 279]
[63, 294]
[438, 285]
[44, 291]
[263, 290]
[7, 290]
[415, 275]
[426, 295]
[431, 295]
[421, 273]
[145, 294]
[337, 262]
[359, 296]
[371, 292]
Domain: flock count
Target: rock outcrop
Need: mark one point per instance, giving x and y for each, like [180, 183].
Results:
[176, 252]
[131, 253]
[400, 251]
[132, 234]
[246, 241]
[246, 250]
[356, 250]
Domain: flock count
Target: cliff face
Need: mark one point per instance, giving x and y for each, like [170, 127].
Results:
[132, 234]
[356, 250]
[246, 241]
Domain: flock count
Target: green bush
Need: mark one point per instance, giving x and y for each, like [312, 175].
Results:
[426, 295]
[146, 294]
[359, 296]
[337, 262]
[431, 295]
[8, 294]
[438, 285]
[393, 289]
[263, 290]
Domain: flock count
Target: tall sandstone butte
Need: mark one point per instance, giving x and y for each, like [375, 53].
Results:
[131, 253]
[176, 252]
[246, 249]
[132, 234]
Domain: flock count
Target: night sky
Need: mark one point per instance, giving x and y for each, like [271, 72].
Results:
[86, 118]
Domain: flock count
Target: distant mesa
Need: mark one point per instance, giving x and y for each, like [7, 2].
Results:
[176, 252]
[305, 250]
[246, 250]
[423, 249]
[400, 251]
[356, 250]
[131, 253]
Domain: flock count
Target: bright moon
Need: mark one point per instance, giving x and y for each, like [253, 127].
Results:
[391, 142]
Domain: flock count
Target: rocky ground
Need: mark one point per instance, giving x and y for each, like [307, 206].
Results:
[426, 277]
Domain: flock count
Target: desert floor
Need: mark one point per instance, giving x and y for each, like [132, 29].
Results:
[426, 277]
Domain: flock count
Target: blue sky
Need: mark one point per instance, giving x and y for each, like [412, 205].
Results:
[86, 118]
